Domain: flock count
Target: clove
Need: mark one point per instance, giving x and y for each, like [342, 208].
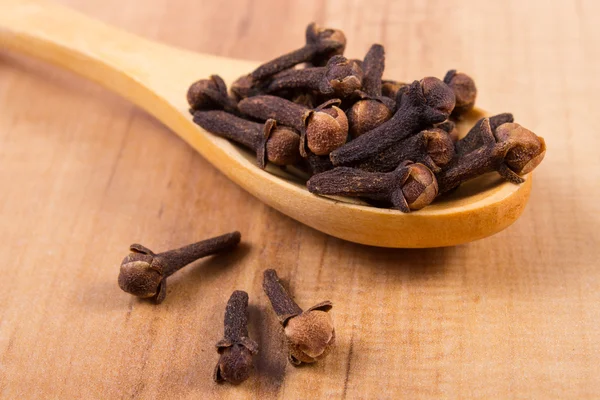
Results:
[322, 129]
[432, 147]
[340, 77]
[236, 348]
[478, 135]
[390, 89]
[321, 44]
[372, 109]
[271, 143]
[449, 127]
[423, 104]
[210, 94]
[317, 164]
[511, 151]
[309, 334]
[464, 90]
[411, 186]
[144, 274]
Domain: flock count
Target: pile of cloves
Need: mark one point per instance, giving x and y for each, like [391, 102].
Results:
[309, 335]
[394, 144]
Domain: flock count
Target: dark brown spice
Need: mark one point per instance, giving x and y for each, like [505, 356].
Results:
[390, 89]
[236, 348]
[144, 274]
[309, 334]
[373, 109]
[340, 78]
[409, 187]
[476, 137]
[464, 91]
[432, 147]
[403, 134]
[329, 42]
[210, 94]
[306, 99]
[265, 107]
[322, 129]
[321, 45]
[317, 164]
[450, 128]
[423, 104]
[512, 151]
[271, 143]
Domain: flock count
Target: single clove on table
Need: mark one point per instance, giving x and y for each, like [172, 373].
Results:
[392, 143]
[236, 349]
[144, 273]
[309, 334]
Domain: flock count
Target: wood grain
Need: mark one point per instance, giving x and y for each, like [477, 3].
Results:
[85, 174]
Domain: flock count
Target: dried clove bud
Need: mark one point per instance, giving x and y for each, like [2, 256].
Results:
[276, 144]
[409, 187]
[423, 104]
[464, 90]
[373, 109]
[527, 150]
[236, 348]
[366, 115]
[476, 137]
[513, 151]
[309, 334]
[390, 89]
[305, 99]
[266, 107]
[449, 127]
[144, 274]
[210, 94]
[330, 42]
[325, 129]
[322, 129]
[432, 147]
[317, 164]
[321, 44]
[340, 77]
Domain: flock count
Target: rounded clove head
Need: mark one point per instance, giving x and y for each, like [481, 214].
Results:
[196, 95]
[440, 146]
[344, 76]
[331, 39]
[527, 150]
[283, 146]
[366, 115]
[326, 130]
[421, 188]
[310, 336]
[438, 95]
[235, 364]
[139, 277]
[464, 90]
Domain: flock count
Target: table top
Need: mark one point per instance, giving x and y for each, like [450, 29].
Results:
[85, 174]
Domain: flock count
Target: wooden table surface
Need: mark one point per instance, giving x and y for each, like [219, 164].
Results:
[84, 174]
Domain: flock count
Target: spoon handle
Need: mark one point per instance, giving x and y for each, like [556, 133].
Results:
[122, 62]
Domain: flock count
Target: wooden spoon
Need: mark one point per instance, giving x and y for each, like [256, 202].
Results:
[156, 77]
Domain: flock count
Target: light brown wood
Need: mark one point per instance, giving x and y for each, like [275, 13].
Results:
[85, 174]
[155, 76]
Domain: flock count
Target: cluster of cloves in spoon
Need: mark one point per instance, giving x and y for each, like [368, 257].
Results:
[392, 143]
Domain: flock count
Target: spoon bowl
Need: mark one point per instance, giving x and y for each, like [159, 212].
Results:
[156, 78]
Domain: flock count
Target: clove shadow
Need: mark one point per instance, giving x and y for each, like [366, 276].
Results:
[411, 264]
[201, 275]
[271, 361]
